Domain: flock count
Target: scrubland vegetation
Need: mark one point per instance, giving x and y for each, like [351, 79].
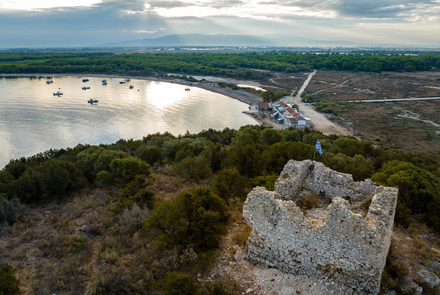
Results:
[145, 216]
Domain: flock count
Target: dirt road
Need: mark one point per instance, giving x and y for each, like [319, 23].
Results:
[319, 121]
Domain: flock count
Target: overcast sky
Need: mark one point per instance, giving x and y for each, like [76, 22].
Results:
[92, 22]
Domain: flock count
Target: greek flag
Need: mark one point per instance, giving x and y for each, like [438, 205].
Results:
[318, 148]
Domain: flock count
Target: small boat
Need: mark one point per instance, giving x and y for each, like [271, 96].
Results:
[92, 101]
[131, 86]
[187, 89]
[49, 81]
[85, 80]
[121, 82]
[85, 88]
[58, 93]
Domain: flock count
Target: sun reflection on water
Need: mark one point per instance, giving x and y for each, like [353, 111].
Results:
[164, 95]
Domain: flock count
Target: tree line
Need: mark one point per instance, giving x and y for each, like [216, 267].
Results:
[237, 65]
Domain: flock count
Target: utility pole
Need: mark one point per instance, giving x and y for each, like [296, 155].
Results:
[354, 124]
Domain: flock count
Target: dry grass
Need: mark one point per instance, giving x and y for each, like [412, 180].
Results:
[379, 122]
[308, 201]
[167, 185]
[241, 236]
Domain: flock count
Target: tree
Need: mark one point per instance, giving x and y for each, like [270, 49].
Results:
[195, 168]
[153, 155]
[124, 170]
[196, 217]
[270, 96]
[228, 183]
[8, 281]
[270, 136]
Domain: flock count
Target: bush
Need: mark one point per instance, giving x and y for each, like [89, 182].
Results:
[228, 183]
[123, 171]
[11, 211]
[196, 169]
[131, 220]
[176, 283]
[196, 217]
[8, 281]
[51, 180]
[266, 181]
[153, 155]
[137, 191]
[307, 202]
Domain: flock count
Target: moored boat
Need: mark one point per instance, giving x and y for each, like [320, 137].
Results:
[187, 89]
[85, 80]
[49, 81]
[121, 82]
[131, 86]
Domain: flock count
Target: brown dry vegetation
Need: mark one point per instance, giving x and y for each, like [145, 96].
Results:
[81, 245]
[380, 122]
[290, 81]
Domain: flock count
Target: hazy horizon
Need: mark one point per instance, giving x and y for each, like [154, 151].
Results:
[44, 23]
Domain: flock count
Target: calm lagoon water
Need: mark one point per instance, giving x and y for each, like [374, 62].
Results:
[33, 120]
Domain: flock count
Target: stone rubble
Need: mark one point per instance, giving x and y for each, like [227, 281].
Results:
[345, 249]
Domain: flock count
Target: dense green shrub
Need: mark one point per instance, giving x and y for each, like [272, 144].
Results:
[8, 281]
[123, 171]
[228, 183]
[193, 168]
[53, 179]
[270, 136]
[196, 217]
[95, 159]
[419, 190]
[153, 155]
[266, 181]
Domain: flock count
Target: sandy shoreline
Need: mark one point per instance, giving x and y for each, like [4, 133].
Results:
[245, 97]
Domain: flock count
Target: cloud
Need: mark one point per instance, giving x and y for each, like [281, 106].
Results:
[117, 20]
[166, 4]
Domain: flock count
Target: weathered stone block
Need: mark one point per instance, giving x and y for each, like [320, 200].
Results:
[341, 246]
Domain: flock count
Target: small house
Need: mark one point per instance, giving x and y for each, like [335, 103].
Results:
[263, 107]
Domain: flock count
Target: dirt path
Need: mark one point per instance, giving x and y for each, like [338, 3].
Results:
[319, 121]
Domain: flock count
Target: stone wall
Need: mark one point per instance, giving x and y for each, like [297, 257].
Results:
[346, 248]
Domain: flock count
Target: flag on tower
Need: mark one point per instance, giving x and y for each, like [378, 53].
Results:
[318, 148]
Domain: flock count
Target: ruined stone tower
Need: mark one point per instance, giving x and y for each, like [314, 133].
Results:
[341, 241]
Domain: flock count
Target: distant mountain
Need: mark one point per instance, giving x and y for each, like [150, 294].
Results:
[226, 40]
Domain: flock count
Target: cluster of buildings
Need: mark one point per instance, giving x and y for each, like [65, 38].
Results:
[285, 113]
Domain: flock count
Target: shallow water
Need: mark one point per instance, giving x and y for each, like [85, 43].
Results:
[33, 120]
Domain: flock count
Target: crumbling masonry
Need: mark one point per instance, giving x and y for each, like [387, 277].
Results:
[338, 244]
